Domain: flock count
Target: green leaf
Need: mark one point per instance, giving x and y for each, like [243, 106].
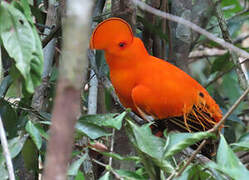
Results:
[106, 176]
[30, 155]
[221, 63]
[5, 84]
[228, 162]
[195, 172]
[75, 166]
[129, 175]
[22, 43]
[34, 133]
[9, 118]
[80, 176]
[119, 157]
[91, 130]
[15, 146]
[242, 144]
[107, 120]
[149, 147]
[42, 131]
[230, 88]
[3, 172]
[176, 142]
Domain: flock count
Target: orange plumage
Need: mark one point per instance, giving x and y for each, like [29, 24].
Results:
[151, 86]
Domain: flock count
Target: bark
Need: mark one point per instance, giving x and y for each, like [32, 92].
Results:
[183, 39]
[67, 102]
[127, 11]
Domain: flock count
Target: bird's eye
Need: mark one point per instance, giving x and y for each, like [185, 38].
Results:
[122, 44]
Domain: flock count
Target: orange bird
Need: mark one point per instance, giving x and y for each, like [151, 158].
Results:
[151, 86]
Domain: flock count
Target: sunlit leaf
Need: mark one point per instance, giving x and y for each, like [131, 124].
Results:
[80, 176]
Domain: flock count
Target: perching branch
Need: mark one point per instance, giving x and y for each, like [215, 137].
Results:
[193, 26]
[6, 151]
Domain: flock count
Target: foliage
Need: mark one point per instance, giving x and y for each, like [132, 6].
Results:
[155, 158]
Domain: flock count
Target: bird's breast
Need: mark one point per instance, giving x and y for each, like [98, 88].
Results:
[123, 81]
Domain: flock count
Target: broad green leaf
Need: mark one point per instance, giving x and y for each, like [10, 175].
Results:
[34, 133]
[42, 131]
[30, 155]
[230, 88]
[15, 146]
[228, 162]
[107, 120]
[22, 43]
[145, 140]
[149, 147]
[176, 142]
[75, 166]
[242, 144]
[80, 176]
[106, 176]
[91, 130]
[129, 175]
[230, 7]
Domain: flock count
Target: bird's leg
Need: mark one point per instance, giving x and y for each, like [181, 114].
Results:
[185, 118]
[145, 117]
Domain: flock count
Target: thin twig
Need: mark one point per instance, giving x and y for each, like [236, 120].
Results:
[223, 73]
[112, 145]
[192, 26]
[51, 35]
[191, 158]
[229, 112]
[109, 168]
[6, 151]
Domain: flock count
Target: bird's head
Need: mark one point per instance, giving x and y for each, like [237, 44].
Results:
[112, 35]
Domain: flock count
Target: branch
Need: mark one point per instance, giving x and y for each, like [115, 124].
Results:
[6, 151]
[223, 26]
[214, 129]
[109, 168]
[51, 35]
[223, 73]
[229, 112]
[193, 27]
[66, 108]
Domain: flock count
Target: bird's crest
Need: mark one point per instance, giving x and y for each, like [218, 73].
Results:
[110, 31]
